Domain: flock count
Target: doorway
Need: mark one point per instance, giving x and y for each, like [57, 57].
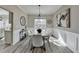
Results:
[5, 28]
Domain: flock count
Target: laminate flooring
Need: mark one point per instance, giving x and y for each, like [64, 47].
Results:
[24, 47]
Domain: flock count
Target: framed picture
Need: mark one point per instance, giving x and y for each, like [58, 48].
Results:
[63, 18]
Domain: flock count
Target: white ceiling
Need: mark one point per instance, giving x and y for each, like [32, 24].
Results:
[44, 9]
[3, 12]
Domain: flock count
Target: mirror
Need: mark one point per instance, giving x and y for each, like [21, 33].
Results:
[22, 20]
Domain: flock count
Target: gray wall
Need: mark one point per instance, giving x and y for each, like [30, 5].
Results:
[74, 18]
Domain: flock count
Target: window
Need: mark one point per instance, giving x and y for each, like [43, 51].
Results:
[40, 23]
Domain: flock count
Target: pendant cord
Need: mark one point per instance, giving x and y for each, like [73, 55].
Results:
[39, 10]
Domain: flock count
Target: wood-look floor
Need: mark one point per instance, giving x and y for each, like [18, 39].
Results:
[24, 47]
[38, 50]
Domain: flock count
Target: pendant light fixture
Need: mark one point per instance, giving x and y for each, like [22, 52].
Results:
[39, 12]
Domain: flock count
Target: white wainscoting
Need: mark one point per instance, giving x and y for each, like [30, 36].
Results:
[71, 39]
[16, 37]
[78, 43]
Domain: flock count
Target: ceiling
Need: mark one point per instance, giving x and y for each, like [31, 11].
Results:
[44, 9]
[3, 12]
